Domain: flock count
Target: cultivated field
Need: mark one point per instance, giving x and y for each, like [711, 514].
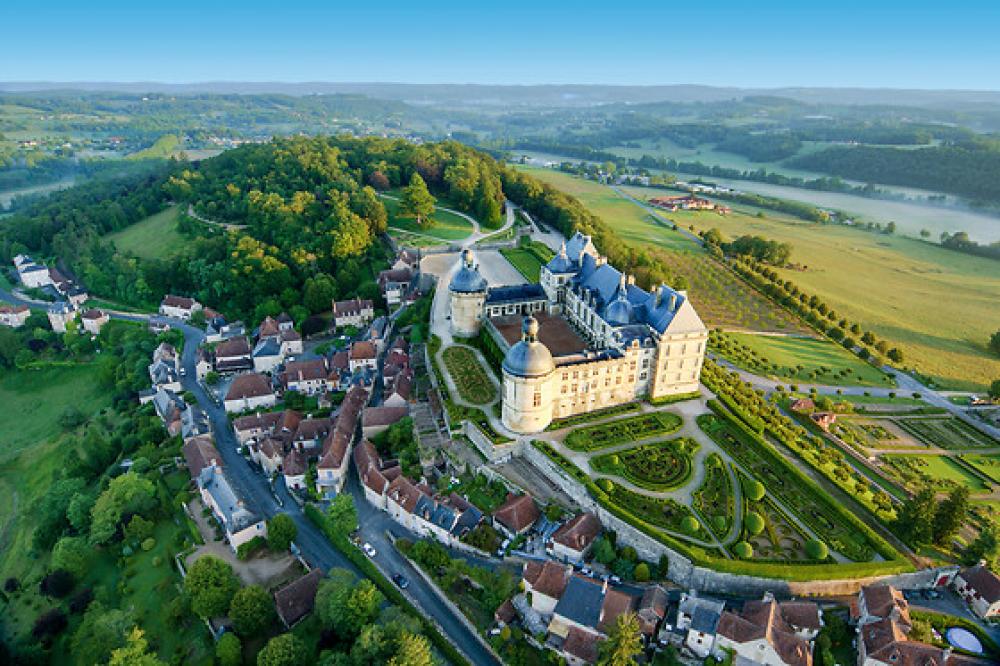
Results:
[937, 305]
[988, 465]
[722, 299]
[155, 237]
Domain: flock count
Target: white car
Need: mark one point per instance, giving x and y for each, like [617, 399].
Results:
[369, 549]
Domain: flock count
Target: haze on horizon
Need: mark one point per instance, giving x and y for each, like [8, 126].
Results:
[776, 43]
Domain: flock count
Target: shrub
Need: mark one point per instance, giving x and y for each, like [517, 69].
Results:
[606, 485]
[690, 524]
[57, 584]
[248, 548]
[755, 490]
[743, 550]
[817, 550]
[754, 523]
[641, 572]
[50, 623]
[229, 651]
[148, 544]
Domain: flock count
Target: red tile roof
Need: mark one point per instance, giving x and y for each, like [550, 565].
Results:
[549, 578]
[233, 348]
[517, 513]
[377, 417]
[983, 581]
[581, 644]
[251, 385]
[578, 533]
[363, 350]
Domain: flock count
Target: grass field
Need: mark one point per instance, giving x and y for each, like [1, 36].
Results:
[722, 299]
[935, 468]
[447, 226]
[797, 359]
[155, 237]
[930, 301]
[162, 148]
[988, 465]
[528, 260]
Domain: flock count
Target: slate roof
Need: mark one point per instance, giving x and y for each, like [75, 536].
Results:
[517, 293]
[705, 620]
[235, 514]
[267, 347]
[297, 599]
[581, 601]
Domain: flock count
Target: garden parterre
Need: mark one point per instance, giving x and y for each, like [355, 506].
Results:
[658, 466]
[621, 431]
[470, 378]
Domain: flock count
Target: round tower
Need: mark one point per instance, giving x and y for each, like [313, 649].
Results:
[467, 295]
[528, 369]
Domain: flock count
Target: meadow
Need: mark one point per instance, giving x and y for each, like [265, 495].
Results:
[721, 298]
[446, 226]
[937, 305]
[155, 237]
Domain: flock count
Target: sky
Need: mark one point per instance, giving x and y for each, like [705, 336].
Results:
[754, 43]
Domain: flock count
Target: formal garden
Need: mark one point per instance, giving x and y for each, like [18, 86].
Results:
[658, 466]
[771, 534]
[937, 472]
[988, 465]
[661, 512]
[470, 378]
[632, 429]
[947, 433]
[714, 499]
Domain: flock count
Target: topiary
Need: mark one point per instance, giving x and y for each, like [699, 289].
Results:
[743, 550]
[754, 523]
[755, 490]
[148, 544]
[719, 523]
[690, 524]
[817, 550]
[606, 485]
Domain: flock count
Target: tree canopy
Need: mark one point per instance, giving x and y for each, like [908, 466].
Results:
[211, 585]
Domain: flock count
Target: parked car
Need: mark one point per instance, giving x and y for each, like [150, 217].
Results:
[400, 580]
[615, 580]
[369, 549]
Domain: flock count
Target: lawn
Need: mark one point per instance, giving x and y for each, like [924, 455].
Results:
[721, 298]
[528, 259]
[988, 465]
[798, 359]
[632, 429]
[887, 283]
[938, 472]
[658, 466]
[155, 237]
[470, 377]
[446, 226]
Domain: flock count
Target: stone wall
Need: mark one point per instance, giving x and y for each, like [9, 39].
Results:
[683, 572]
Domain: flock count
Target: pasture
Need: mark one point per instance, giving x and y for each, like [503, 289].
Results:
[721, 298]
[155, 237]
[936, 305]
[798, 359]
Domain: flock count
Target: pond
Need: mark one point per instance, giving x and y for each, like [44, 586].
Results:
[964, 640]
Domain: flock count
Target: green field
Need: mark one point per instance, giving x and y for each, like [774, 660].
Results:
[722, 299]
[447, 226]
[930, 301]
[804, 360]
[988, 465]
[936, 469]
[155, 237]
[162, 148]
[528, 260]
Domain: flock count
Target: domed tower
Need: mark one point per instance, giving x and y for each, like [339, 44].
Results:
[527, 382]
[467, 293]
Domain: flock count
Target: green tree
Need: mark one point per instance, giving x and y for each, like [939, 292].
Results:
[50, 516]
[604, 552]
[986, 546]
[135, 652]
[102, 631]
[281, 532]
[622, 645]
[210, 584]
[318, 293]
[72, 554]
[915, 518]
[951, 514]
[252, 610]
[127, 494]
[995, 343]
[229, 650]
[78, 512]
[995, 389]
[342, 514]
[641, 573]
[283, 650]
[345, 605]
[412, 650]
[418, 201]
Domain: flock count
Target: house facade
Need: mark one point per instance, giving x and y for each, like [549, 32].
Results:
[179, 307]
[980, 588]
[250, 391]
[14, 316]
[354, 312]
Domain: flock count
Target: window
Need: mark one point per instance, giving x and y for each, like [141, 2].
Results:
[645, 362]
[564, 389]
[537, 400]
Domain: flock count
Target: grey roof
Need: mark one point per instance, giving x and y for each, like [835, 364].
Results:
[235, 515]
[61, 307]
[467, 278]
[161, 372]
[561, 263]
[194, 422]
[518, 293]
[166, 402]
[581, 601]
[529, 357]
[705, 620]
[467, 520]
[267, 347]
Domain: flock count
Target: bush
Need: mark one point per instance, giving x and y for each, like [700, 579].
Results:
[690, 525]
[606, 485]
[229, 651]
[50, 623]
[743, 550]
[249, 548]
[754, 523]
[755, 490]
[817, 550]
[641, 572]
[148, 544]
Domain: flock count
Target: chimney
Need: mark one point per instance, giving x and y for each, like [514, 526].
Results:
[673, 301]
[604, 590]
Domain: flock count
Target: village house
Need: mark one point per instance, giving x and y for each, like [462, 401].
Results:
[76, 296]
[651, 611]
[394, 284]
[398, 395]
[823, 419]
[294, 468]
[179, 307]
[375, 420]
[204, 363]
[574, 539]
[93, 320]
[374, 474]
[169, 407]
[544, 584]
[238, 521]
[362, 354]
[282, 332]
[697, 620]
[308, 377]
[60, 314]
[980, 588]
[354, 312]
[233, 356]
[217, 329]
[164, 370]
[268, 453]
[589, 606]
[267, 355]
[516, 515]
[406, 259]
[377, 332]
[768, 632]
[31, 274]
[297, 599]
[678, 202]
[266, 424]
[331, 471]
[14, 316]
[310, 433]
[250, 391]
[200, 452]
[802, 405]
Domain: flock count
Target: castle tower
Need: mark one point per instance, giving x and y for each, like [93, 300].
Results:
[467, 297]
[528, 369]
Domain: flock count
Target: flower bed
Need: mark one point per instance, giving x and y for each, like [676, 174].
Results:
[659, 466]
[593, 438]
[470, 378]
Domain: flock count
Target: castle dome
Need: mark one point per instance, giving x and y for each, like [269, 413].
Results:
[529, 357]
[467, 279]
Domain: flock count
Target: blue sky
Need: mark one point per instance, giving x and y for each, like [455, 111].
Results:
[759, 43]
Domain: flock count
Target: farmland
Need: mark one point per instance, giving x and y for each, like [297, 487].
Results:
[721, 298]
[156, 237]
[928, 300]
